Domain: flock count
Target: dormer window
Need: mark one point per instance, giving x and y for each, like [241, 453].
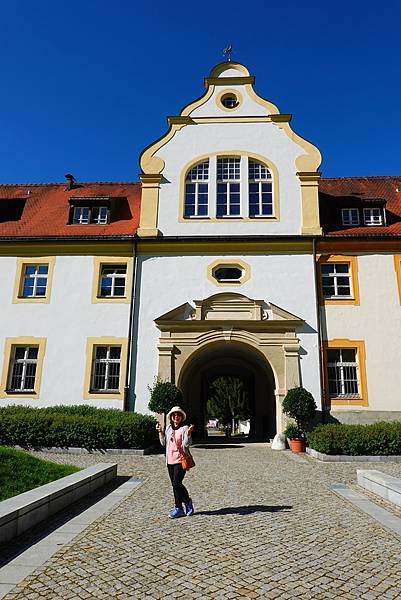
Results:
[372, 216]
[350, 216]
[90, 214]
[90, 211]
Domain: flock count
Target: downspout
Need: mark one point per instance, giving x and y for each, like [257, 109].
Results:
[130, 330]
[319, 328]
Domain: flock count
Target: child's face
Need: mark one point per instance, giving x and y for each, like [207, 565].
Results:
[176, 418]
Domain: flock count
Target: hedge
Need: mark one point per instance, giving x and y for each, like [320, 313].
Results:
[75, 426]
[357, 440]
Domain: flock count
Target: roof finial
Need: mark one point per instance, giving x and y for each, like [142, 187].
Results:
[227, 52]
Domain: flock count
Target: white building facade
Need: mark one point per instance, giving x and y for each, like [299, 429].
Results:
[232, 257]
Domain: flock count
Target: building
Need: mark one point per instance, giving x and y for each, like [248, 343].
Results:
[230, 257]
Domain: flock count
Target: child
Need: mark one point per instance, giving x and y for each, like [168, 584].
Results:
[177, 439]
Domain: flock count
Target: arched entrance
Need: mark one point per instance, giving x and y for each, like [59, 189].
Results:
[231, 360]
[228, 333]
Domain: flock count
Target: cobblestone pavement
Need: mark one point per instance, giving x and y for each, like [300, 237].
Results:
[267, 525]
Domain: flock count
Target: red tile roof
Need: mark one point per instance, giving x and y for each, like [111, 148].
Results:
[347, 192]
[46, 207]
[46, 210]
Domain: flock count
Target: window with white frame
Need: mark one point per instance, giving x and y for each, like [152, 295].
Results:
[84, 215]
[106, 367]
[372, 216]
[336, 280]
[342, 373]
[34, 281]
[260, 189]
[112, 281]
[197, 190]
[350, 216]
[22, 370]
[228, 187]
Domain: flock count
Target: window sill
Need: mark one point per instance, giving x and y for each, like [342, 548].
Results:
[21, 393]
[197, 218]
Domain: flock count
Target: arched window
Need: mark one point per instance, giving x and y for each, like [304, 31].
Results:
[242, 187]
[197, 190]
[260, 189]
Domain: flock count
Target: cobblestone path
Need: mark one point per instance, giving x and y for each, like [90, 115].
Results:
[267, 525]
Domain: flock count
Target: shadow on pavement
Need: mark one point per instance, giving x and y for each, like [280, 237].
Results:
[245, 510]
[215, 446]
[13, 548]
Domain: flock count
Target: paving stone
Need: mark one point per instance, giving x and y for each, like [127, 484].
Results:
[266, 526]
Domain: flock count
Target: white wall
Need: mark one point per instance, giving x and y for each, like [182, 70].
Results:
[265, 139]
[66, 322]
[377, 321]
[165, 282]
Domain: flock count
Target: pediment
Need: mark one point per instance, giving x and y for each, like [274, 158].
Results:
[228, 308]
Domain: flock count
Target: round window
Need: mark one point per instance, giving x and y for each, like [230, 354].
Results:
[228, 274]
[229, 101]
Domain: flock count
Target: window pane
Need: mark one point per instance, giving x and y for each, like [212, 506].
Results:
[20, 352]
[348, 355]
[28, 288]
[333, 355]
[228, 273]
[43, 269]
[101, 352]
[30, 269]
[115, 351]
[327, 268]
[342, 267]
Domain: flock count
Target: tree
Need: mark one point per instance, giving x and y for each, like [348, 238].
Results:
[300, 405]
[228, 401]
[163, 396]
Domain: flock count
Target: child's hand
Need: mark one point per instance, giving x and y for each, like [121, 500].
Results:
[190, 429]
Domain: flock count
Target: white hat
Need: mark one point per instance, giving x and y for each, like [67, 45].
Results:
[177, 409]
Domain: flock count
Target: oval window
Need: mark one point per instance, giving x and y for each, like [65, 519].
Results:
[228, 274]
[229, 101]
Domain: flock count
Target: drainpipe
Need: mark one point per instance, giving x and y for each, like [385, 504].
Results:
[318, 325]
[130, 331]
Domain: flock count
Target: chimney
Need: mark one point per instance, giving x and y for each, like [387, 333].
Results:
[70, 182]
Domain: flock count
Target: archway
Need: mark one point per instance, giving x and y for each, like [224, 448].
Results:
[227, 360]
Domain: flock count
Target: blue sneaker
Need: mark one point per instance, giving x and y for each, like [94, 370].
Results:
[176, 512]
[189, 508]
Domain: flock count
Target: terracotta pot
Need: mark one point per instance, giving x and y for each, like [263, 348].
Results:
[297, 444]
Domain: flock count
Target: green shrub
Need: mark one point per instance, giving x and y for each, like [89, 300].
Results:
[75, 426]
[301, 406]
[357, 440]
[163, 396]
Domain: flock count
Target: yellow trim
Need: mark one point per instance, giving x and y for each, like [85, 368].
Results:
[271, 166]
[340, 258]
[229, 92]
[149, 205]
[19, 279]
[226, 66]
[98, 263]
[397, 268]
[272, 108]
[229, 262]
[91, 343]
[359, 346]
[310, 203]
[65, 248]
[196, 247]
[9, 343]
[229, 80]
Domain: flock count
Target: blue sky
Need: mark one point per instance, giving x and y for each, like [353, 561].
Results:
[87, 85]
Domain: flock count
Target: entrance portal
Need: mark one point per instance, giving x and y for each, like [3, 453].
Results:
[230, 360]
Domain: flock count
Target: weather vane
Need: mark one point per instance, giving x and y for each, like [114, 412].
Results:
[227, 52]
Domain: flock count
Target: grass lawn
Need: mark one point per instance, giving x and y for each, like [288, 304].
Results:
[20, 472]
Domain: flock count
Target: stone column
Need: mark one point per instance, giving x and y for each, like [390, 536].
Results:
[166, 362]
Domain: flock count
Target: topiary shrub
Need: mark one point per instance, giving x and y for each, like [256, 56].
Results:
[357, 440]
[300, 405]
[163, 396]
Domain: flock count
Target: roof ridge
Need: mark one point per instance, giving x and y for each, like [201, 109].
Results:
[79, 183]
[366, 177]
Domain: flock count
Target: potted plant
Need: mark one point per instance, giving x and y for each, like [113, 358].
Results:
[163, 396]
[300, 405]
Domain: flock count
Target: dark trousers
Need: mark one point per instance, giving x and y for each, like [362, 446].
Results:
[177, 474]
